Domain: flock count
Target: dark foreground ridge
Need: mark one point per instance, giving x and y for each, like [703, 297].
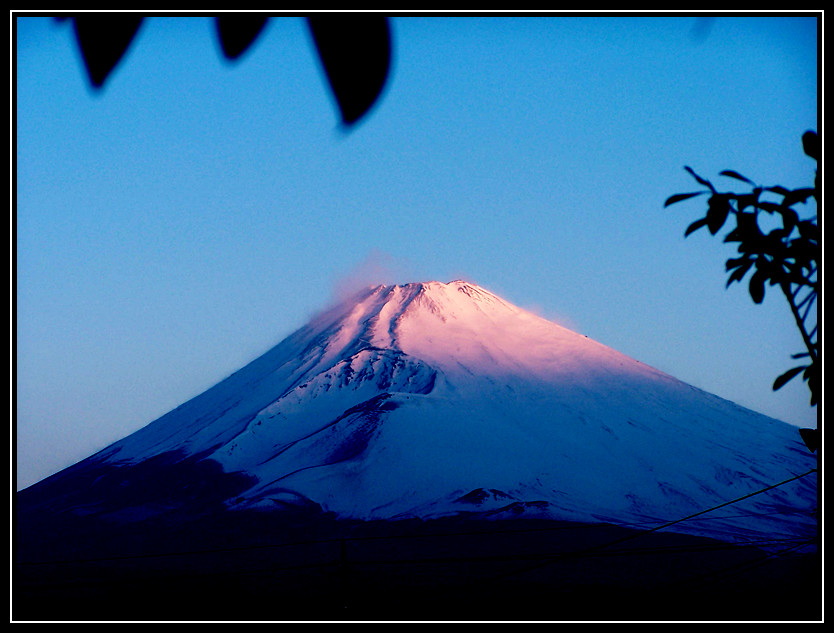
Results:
[307, 565]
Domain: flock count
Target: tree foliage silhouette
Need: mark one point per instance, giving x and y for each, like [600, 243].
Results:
[786, 256]
[355, 51]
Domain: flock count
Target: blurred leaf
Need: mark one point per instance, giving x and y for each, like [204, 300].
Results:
[697, 224]
[237, 32]
[356, 55]
[719, 208]
[679, 197]
[798, 195]
[734, 174]
[741, 264]
[702, 181]
[738, 274]
[734, 262]
[810, 145]
[786, 377]
[757, 286]
[811, 438]
[103, 40]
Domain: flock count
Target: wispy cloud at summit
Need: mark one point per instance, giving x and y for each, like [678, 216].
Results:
[377, 267]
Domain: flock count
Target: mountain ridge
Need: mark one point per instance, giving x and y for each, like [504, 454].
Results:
[404, 399]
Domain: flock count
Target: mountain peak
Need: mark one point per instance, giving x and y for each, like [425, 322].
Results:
[405, 398]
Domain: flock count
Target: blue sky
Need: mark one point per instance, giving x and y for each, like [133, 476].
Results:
[182, 221]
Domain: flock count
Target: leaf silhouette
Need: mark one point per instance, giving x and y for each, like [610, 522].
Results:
[103, 40]
[757, 286]
[734, 174]
[717, 212]
[237, 32]
[700, 180]
[697, 224]
[356, 55]
[679, 197]
[811, 438]
[787, 376]
[810, 145]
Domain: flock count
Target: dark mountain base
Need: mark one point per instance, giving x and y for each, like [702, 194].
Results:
[303, 565]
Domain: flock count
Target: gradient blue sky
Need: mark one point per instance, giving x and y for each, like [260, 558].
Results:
[181, 222]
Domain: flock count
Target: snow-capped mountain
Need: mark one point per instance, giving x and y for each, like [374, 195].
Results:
[430, 399]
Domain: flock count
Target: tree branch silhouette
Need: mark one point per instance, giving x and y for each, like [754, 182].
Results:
[786, 256]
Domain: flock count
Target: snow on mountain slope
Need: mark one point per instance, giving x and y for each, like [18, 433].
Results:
[429, 398]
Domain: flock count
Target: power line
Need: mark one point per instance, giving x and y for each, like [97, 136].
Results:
[630, 537]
